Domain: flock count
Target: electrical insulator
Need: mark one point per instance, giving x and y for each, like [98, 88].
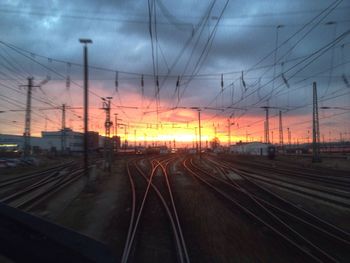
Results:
[178, 88]
[243, 82]
[68, 77]
[222, 82]
[346, 81]
[116, 81]
[285, 80]
[67, 82]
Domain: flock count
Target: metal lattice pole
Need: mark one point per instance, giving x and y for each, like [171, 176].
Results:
[315, 128]
[266, 124]
[280, 129]
[26, 135]
[63, 128]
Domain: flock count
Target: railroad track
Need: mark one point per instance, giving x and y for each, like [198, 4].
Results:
[339, 181]
[34, 175]
[27, 191]
[162, 189]
[330, 194]
[311, 236]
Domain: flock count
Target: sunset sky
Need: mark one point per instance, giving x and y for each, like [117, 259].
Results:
[199, 43]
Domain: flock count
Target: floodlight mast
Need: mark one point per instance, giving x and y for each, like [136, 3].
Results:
[86, 41]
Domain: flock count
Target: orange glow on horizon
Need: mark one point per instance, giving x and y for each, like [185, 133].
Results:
[170, 124]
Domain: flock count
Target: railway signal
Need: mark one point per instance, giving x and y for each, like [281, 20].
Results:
[106, 106]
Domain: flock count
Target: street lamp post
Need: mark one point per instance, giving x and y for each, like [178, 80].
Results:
[85, 42]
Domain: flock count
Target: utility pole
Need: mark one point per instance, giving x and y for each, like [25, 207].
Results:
[267, 129]
[200, 133]
[116, 124]
[229, 131]
[63, 129]
[135, 140]
[125, 132]
[289, 137]
[315, 127]
[45, 123]
[107, 144]
[86, 105]
[280, 129]
[27, 121]
[26, 134]
[196, 138]
[116, 119]
[272, 137]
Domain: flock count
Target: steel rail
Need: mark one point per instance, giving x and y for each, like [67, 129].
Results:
[319, 258]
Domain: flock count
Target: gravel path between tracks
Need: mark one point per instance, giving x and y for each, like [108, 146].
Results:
[330, 212]
[216, 232]
[100, 214]
[10, 173]
[328, 163]
[300, 162]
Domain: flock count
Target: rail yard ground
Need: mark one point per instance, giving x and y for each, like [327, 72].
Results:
[182, 208]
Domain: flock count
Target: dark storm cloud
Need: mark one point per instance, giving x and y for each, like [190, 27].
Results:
[121, 38]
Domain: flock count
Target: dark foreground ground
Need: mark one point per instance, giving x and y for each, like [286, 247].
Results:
[214, 231]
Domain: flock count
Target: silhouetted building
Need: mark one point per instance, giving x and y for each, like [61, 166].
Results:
[93, 140]
[116, 142]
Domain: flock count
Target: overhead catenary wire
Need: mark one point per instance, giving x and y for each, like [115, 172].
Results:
[285, 78]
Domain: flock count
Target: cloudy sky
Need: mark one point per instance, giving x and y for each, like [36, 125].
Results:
[230, 57]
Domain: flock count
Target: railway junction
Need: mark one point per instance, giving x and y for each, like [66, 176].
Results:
[182, 207]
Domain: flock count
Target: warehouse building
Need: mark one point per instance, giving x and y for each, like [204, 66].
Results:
[251, 148]
[65, 140]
